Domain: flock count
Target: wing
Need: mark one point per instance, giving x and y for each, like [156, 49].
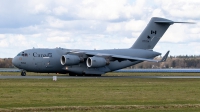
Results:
[121, 57]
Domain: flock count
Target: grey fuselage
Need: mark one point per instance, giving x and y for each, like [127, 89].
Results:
[48, 60]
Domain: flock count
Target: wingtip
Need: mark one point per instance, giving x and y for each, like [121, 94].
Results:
[165, 57]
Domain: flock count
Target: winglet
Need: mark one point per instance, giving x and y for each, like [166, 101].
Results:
[165, 57]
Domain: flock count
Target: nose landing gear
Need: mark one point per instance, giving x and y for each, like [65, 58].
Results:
[23, 73]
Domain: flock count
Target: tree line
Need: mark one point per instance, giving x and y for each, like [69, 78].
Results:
[184, 61]
[172, 62]
[6, 63]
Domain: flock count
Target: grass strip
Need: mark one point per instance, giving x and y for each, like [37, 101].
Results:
[97, 93]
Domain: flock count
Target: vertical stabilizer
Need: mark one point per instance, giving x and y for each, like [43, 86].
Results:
[152, 33]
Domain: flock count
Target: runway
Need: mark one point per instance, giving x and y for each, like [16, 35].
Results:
[113, 77]
[184, 70]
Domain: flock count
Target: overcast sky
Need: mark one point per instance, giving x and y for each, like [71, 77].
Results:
[95, 24]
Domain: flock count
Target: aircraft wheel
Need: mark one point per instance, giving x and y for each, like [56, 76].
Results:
[72, 74]
[87, 74]
[23, 73]
[79, 74]
[98, 75]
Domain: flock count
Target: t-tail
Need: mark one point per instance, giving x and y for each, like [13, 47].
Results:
[152, 33]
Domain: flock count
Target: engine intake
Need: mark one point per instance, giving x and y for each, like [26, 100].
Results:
[96, 62]
[70, 59]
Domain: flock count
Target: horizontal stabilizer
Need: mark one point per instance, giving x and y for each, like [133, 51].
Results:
[172, 22]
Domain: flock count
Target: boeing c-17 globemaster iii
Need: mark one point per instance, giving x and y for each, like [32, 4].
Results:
[95, 62]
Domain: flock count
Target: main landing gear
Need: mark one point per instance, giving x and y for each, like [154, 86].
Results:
[73, 74]
[23, 73]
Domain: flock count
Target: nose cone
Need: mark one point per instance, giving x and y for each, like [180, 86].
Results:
[14, 61]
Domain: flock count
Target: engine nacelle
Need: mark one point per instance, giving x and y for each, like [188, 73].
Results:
[70, 59]
[96, 62]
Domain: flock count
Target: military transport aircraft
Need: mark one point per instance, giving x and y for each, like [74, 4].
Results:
[95, 62]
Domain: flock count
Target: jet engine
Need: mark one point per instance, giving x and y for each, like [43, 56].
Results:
[96, 62]
[70, 59]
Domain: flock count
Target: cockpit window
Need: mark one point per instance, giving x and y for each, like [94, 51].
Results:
[19, 54]
[23, 54]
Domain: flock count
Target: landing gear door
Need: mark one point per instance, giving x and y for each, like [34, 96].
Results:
[47, 62]
[37, 62]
